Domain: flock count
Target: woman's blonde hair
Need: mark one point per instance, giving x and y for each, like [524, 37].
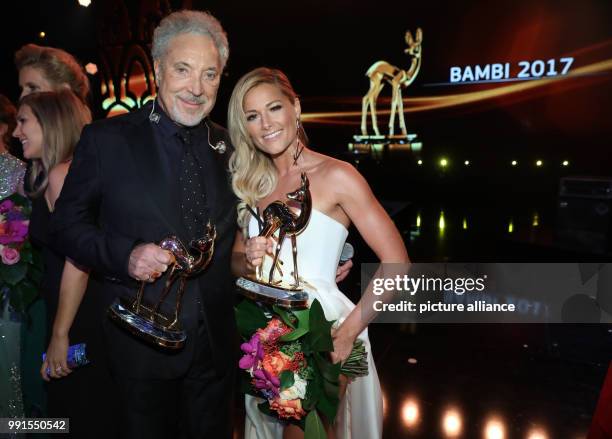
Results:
[58, 66]
[61, 116]
[253, 173]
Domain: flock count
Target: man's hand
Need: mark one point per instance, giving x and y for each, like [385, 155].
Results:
[148, 262]
[343, 270]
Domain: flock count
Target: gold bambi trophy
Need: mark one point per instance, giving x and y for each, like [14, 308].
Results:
[381, 73]
[148, 321]
[266, 287]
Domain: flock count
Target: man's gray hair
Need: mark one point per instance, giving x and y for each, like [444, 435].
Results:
[183, 22]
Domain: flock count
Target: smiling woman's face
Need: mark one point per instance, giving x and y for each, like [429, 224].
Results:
[271, 118]
[29, 132]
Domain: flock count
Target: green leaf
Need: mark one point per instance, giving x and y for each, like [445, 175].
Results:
[329, 371]
[26, 253]
[314, 390]
[294, 335]
[28, 293]
[328, 406]
[286, 379]
[284, 315]
[303, 315]
[13, 274]
[249, 318]
[314, 427]
[319, 338]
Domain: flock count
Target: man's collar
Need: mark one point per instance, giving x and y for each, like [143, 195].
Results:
[167, 126]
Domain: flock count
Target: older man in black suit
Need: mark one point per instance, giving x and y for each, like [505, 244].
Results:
[136, 179]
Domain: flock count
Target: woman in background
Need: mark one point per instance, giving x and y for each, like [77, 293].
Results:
[49, 125]
[12, 169]
[43, 68]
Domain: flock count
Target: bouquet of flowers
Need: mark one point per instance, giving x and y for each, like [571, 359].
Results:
[21, 267]
[286, 362]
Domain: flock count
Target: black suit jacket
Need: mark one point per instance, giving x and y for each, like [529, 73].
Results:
[118, 194]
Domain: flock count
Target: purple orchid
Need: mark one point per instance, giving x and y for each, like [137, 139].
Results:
[265, 382]
[253, 351]
[16, 232]
[15, 215]
[6, 205]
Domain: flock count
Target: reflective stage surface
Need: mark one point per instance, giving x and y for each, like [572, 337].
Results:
[487, 381]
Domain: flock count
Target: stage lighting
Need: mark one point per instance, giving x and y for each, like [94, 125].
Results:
[410, 413]
[441, 222]
[511, 226]
[412, 361]
[539, 163]
[384, 403]
[495, 429]
[537, 434]
[443, 162]
[91, 68]
[514, 163]
[420, 162]
[466, 163]
[418, 221]
[565, 163]
[464, 223]
[85, 2]
[536, 220]
[42, 34]
[451, 423]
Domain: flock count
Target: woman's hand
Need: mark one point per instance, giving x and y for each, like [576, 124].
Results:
[343, 345]
[55, 361]
[343, 270]
[255, 250]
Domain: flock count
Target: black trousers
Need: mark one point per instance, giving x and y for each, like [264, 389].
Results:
[198, 405]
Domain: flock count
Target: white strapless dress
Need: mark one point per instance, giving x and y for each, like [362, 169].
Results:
[319, 247]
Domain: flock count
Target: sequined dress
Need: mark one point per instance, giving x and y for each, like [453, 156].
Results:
[12, 171]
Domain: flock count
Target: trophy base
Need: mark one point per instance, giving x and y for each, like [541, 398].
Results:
[143, 324]
[273, 295]
[377, 144]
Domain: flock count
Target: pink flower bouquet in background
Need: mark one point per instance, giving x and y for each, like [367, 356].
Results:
[285, 359]
[21, 267]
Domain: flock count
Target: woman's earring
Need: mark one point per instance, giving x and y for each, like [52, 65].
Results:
[299, 147]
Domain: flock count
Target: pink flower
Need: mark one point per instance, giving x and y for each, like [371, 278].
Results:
[274, 329]
[10, 256]
[14, 232]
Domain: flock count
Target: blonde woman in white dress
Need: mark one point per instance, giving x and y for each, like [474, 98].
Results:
[270, 156]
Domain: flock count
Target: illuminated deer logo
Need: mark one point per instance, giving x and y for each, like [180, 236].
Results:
[381, 72]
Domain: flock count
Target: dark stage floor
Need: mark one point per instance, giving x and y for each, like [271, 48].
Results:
[495, 381]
